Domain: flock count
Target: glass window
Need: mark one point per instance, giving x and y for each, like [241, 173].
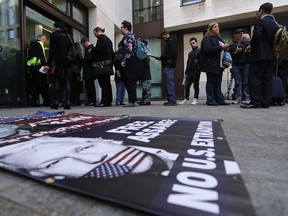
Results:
[12, 76]
[60, 4]
[79, 13]
[188, 2]
[146, 11]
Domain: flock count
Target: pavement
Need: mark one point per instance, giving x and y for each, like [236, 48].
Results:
[258, 139]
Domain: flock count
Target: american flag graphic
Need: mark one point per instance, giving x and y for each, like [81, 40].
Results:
[120, 164]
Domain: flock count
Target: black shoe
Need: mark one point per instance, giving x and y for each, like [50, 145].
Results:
[54, 105]
[66, 106]
[169, 103]
[265, 106]
[212, 104]
[224, 103]
[250, 106]
[144, 103]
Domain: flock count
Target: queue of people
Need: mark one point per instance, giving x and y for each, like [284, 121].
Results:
[252, 67]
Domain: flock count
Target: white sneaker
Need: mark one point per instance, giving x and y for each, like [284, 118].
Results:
[195, 101]
[183, 102]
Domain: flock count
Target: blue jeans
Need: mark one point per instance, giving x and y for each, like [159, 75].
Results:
[120, 91]
[170, 86]
[240, 74]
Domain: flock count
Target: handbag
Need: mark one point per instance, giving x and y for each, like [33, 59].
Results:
[74, 52]
[102, 68]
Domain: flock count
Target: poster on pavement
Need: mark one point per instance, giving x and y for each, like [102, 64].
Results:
[163, 166]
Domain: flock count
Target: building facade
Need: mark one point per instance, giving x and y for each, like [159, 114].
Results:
[187, 18]
[22, 20]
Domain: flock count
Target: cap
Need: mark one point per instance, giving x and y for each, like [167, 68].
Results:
[162, 33]
[237, 31]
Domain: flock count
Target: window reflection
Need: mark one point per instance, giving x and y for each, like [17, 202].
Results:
[146, 11]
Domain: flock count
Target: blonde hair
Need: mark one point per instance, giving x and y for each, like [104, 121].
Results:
[209, 28]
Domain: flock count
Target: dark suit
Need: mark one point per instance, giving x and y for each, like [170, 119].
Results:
[262, 58]
[61, 79]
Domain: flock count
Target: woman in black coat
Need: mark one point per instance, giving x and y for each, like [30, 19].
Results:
[61, 74]
[210, 57]
[103, 51]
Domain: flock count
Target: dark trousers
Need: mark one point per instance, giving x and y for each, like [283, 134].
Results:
[129, 77]
[106, 90]
[90, 90]
[213, 88]
[260, 82]
[61, 85]
[39, 86]
[192, 78]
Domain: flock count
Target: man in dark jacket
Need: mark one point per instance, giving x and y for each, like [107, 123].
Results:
[262, 57]
[192, 72]
[168, 60]
[86, 63]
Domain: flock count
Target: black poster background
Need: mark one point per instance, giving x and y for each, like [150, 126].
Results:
[149, 191]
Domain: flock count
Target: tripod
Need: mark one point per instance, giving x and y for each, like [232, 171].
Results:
[229, 85]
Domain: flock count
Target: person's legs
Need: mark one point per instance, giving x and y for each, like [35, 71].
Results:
[129, 76]
[170, 86]
[196, 84]
[245, 86]
[220, 99]
[187, 86]
[146, 91]
[210, 88]
[255, 76]
[91, 92]
[106, 93]
[236, 73]
[267, 84]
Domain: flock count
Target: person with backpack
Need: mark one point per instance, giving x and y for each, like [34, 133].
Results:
[262, 58]
[144, 79]
[126, 57]
[38, 83]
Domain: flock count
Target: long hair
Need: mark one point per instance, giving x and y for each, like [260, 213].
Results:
[209, 28]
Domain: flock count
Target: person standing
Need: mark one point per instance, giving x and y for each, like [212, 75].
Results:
[144, 79]
[168, 60]
[262, 58]
[192, 72]
[103, 51]
[58, 59]
[39, 83]
[128, 62]
[240, 66]
[86, 64]
[210, 62]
